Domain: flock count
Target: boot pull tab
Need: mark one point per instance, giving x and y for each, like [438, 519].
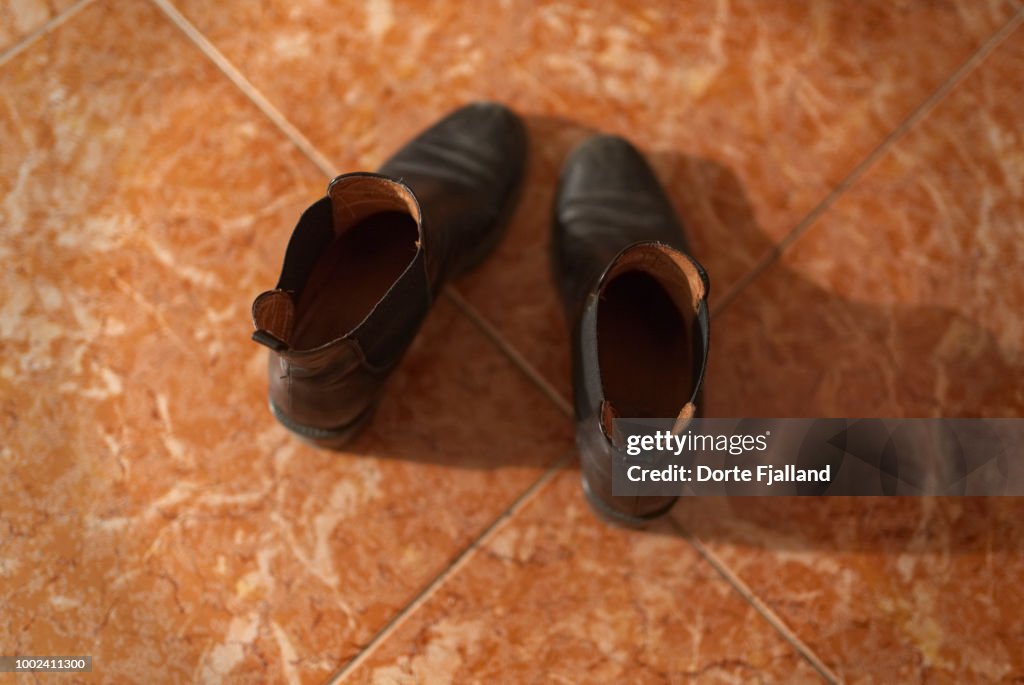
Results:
[273, 315]
[608, 416]
[683, 420]
[270, 340]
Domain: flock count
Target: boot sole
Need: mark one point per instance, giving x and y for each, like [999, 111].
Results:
[329, 438]
[605, 512]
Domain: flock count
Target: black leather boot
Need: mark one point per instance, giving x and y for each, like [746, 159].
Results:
[636, 303]
[365, 263]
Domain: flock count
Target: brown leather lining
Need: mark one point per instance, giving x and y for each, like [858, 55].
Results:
[672, 269]
[684, 418]
[352, 276]
[355, 198]
[645, 320]
[376, 225]
[274, 312]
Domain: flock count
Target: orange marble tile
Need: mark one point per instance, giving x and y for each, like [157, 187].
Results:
[904, 299]
[787, 347]
[556, 596]
[780, 99]
[19, 18]
[883, 590]
[152, 513]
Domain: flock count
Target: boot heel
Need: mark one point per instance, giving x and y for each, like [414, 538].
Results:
[327, 438]
[609, 514]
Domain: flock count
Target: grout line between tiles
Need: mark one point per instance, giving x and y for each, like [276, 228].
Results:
[919, 113]
[19, 47]
[511, 352]
[456, 564]
[766, 612]
[243, 84]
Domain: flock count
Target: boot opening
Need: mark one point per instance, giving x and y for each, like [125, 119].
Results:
[645, 333]
[376, 227]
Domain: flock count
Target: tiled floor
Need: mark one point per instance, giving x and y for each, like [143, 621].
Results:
[852, 176]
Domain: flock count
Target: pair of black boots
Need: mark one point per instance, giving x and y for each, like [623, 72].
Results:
[366, 261]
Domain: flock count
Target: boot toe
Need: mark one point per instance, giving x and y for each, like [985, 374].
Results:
[482, 143]
[608, 189]
[610, 166]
